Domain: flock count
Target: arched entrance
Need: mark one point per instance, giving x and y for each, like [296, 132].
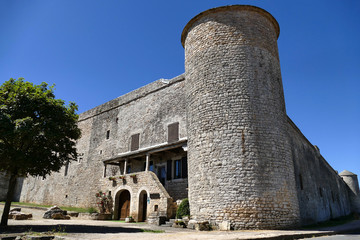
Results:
[122, 201]
[142, 217]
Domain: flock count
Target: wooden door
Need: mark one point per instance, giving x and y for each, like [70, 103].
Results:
[124, 204]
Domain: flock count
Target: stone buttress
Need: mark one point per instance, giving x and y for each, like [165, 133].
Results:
[240, 167]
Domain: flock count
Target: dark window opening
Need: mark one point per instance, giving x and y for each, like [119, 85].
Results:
[128, 169]
[168, 169]
[66, 168]
[184, 168]
[173, 132]
[177, 169]
[320, 192]
[156, 207]
[332, 196]
[151, 166]
[117, 120]
[162, 174]
[135, 142]
[301, 182]
[107, 134]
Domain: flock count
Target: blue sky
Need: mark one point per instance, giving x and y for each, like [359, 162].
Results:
[95, 51]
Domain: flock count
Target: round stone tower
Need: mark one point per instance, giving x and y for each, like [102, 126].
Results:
[352, 181]
[241, 172]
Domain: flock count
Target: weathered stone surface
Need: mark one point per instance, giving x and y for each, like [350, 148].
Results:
[16, 209]
[54, 210]
[60, 216]
[91, 216]
[238, 149]
[20, 216]
[104, 216]
[73, 214]
[224, 226]
[202, 226]
[191, 224]
[178, 224]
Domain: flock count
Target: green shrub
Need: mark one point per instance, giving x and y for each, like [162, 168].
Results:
[92, 210]
[183, 209]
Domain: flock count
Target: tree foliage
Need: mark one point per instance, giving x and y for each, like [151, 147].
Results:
[38, 133]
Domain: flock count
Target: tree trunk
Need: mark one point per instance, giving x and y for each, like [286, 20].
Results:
[9, 198]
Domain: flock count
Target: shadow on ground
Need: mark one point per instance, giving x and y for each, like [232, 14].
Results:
[67, 229]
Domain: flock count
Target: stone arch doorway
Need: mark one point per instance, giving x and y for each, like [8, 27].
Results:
[122, 207]
[142, 216]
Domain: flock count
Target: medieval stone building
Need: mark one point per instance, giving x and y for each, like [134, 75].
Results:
[218, 134]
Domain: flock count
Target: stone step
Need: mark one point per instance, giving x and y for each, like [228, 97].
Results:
[167, 224]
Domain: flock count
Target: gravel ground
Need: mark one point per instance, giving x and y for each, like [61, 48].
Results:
[90, 229]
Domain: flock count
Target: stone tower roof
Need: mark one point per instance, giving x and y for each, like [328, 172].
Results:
[347, 173]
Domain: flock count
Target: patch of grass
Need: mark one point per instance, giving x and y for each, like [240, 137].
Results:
[331, 223]
[74, 209]
[89, 210]
[152, 231]
[29, 204]
[121, 221]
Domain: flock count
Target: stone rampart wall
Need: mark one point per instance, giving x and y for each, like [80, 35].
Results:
[321, 191]
[148, 111]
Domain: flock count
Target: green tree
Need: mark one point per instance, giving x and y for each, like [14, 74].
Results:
[184, 209]
[38, 133]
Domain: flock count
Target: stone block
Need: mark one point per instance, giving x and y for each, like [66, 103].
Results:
[202, 226]
[16, 209]
[224, 226]
[48, 214]
[22, 216]
[73, 214]
[191, 224]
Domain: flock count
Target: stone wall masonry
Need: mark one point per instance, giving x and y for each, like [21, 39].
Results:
[322, 193]
[248, 164]
[148, 111]
[177, 188]
[4, 183]
[144, 181]
[240, 167]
